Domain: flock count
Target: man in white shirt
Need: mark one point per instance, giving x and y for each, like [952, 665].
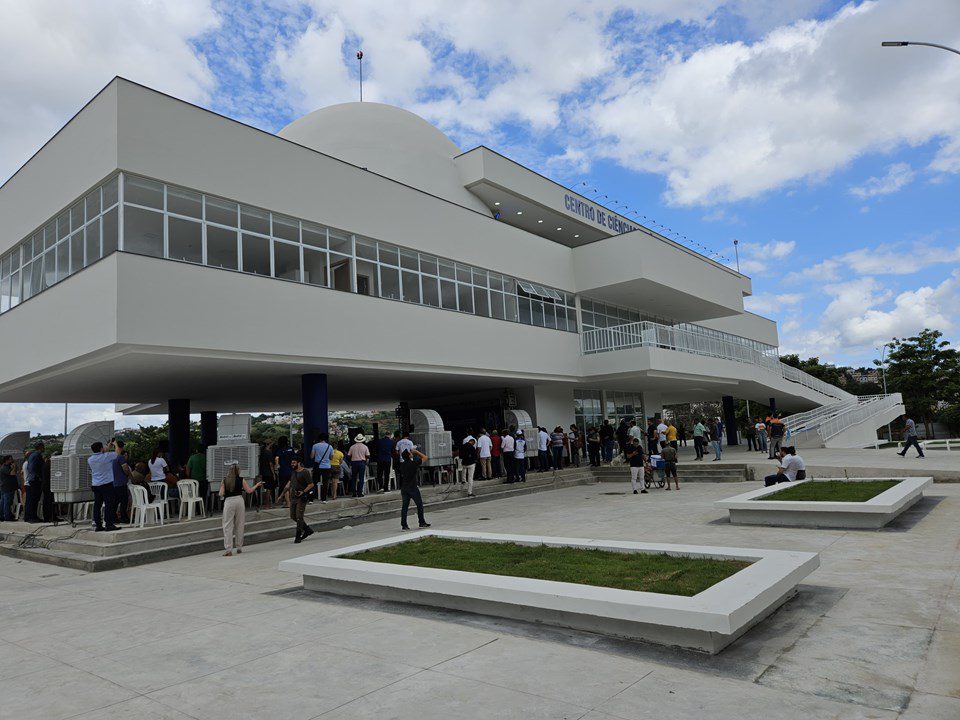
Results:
[635, 432]
[485, 447]
[662, 433]
[543, 454]
[791, 465]
[506, 455]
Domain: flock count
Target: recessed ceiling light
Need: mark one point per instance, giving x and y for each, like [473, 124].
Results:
[496, 203]
[576, 236]
[559, 228]
[539, 221]
[519, 212]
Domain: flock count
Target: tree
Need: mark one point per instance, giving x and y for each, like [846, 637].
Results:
[951, 418]
[838, 376]
[926, 371]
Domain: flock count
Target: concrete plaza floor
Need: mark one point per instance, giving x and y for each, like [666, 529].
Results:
[874, 633]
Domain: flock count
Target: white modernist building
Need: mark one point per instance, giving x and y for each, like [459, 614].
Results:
[160, 256]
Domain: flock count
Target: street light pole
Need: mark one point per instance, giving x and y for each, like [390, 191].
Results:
[904, 43]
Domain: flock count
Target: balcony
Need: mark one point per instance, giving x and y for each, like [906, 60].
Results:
[707, 343]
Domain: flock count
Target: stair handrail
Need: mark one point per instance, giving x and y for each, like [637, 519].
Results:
[873, 405]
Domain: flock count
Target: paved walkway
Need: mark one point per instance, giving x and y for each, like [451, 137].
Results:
[875, 632]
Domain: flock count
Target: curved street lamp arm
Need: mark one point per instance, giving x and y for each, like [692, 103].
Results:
[904, 43]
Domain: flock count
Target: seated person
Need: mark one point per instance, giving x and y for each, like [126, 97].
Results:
[791, 468]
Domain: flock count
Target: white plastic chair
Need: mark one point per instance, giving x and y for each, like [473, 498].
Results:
[142, 506]
[190, 497]
[159, 490]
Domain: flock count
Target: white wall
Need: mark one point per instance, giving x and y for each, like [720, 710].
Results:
[748, 325]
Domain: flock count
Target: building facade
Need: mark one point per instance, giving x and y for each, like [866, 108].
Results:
[157, 255]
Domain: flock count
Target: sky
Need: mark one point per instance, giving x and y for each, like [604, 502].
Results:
[781, 124]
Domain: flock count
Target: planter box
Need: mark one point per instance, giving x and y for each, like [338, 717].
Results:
[751, 509]
[707, 621]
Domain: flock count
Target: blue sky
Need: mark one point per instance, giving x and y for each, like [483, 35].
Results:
[835, 163]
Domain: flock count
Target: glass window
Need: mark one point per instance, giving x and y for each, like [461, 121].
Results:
[561, 318]
[76, 216]
[479, 278]
[536, 313]
[463, 273]
[15, 289]
[496, 305]
[184, 240]
[286, 259]
[140, 191]
[49, 268]
[49, 238]
[411, 286]
[315, 267]
[341, 273]
[286, 228]
[465, 297]
[92, 243]
[221, 211]
[184, 202]
[254, 220]
[428, 265]
[367, 250]
[571, 319]
[409, 260]
[446, 269]
[63, 260]
[256, 254]
[110, 233]
[525, 316]
[93, 204]
[63, 226]
[389, 282]
[367, 278]
[36, 276]
[4, 294]
[221, 247]
[448, 294]
[481, 303]
[142, 231]
[340, 243]
[431, 295]
[389, 254]
[110, 192]
[76, 252]
[549, 316]
[314, 235]
[510, 308]
[496, 281]
[27, 284]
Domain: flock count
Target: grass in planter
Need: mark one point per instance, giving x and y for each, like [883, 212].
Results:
[833, 491]
[647, 572]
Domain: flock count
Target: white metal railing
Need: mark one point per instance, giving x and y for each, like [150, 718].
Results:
[727, 347]
[811, 418]
[868, 406]
[937, 444]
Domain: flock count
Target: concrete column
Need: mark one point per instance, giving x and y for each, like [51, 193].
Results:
[552, 406]
[652, 405]
[208, 428]
[178, 431]
[313, 389]
[730, 420]
[773, 405]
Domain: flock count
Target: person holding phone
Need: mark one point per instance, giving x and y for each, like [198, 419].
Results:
[234, 510]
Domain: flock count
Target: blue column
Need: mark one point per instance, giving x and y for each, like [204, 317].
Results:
[773, 405]
[208, 428]
[313, 388]
[730, 420]
[178, 431]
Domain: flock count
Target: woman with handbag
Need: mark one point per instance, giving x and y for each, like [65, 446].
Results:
[234, 509]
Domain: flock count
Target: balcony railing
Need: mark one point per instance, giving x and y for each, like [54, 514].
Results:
[724, 346]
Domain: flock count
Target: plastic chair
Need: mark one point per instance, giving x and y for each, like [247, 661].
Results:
[142, 506]
[190, 497]
[159, 490]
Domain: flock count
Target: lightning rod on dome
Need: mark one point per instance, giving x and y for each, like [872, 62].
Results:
[360, 61]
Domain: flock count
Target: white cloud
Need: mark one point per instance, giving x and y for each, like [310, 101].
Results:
[47, 418]
[735, 120]
[59, 54]
[880, 260]
[767, 304]
[759, 258]
[897, 177]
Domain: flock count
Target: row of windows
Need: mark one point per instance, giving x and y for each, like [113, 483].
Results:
[589, 410]
[67, 243]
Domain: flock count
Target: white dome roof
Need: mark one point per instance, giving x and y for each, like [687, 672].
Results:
[389, 141]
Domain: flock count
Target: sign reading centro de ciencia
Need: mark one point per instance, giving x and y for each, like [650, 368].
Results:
[608, 220]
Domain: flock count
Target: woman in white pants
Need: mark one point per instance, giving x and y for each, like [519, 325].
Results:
[231, 490]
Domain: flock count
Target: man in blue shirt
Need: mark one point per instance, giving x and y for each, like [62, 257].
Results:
[33, 479]
[121, 478]
[101, 478]
[384, 461]
[320, 454]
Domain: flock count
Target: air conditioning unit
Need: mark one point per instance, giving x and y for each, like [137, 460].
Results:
[521, 420]
[233, 445]
[69, 472]
[13, 444]
[430, 437]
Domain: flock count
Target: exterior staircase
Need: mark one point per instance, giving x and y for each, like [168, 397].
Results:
[845, 424]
